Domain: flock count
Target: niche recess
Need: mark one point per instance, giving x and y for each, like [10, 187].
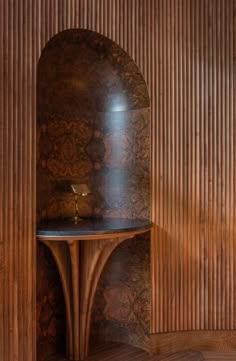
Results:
[92, 127]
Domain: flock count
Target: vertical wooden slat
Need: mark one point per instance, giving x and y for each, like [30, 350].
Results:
[203, 175]
[231, 249]
[2, 248]
[17, 238]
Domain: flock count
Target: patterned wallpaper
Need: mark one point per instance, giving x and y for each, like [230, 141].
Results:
[93, 127]
[50, 307]
[121, 310]
[107, 151]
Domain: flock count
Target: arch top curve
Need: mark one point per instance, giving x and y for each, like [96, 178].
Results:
[83, 70]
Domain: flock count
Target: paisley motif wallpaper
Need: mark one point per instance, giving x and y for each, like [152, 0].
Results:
[107, 151]
[50, 307]
[93, 127]
[121, 310]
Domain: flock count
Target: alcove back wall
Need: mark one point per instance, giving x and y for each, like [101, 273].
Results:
[186, 51]
[92, 127]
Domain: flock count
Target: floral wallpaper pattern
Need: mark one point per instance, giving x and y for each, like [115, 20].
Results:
[109, 152]
[50, 307]
[121, 310]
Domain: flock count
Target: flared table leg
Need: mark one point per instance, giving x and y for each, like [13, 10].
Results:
[75, 266]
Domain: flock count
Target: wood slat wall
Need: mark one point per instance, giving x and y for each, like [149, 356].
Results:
[17, 179]
[186, 51]
[194, 165]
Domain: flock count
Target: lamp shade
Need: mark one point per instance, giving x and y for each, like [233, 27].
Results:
[80, 189]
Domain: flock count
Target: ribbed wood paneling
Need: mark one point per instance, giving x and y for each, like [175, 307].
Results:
[17, 178]
[186, 51]
[194, 189]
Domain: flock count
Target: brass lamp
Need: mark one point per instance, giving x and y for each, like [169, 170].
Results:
[81, 190]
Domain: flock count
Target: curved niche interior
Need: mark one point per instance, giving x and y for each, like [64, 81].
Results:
[93, 127]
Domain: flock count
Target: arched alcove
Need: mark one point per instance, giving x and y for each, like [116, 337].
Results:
[92, 127]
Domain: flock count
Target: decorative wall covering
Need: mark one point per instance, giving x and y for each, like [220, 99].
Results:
[92, 127]
[108, 151]
[80, 70]
[121, 310]
[51, 325]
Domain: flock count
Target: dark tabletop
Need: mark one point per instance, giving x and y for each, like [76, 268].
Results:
[66, 227]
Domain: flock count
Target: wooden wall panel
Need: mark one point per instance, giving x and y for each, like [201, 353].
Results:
[17, 179]
[186, 51]
[194, 189]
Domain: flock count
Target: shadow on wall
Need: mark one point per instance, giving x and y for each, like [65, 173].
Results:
[121, 310]
[51, 324]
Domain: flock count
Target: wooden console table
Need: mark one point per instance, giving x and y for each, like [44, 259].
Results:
[81, 251]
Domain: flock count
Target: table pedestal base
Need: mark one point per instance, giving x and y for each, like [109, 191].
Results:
[80, 264]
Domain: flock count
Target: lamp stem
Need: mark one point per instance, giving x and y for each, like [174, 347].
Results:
[76, 217]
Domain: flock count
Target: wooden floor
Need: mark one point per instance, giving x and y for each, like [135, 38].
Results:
[120, 352]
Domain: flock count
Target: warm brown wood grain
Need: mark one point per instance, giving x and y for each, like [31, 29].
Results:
[205, 340]
[193, 251]
[186, 51]
[17, 181]
[118, 352]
